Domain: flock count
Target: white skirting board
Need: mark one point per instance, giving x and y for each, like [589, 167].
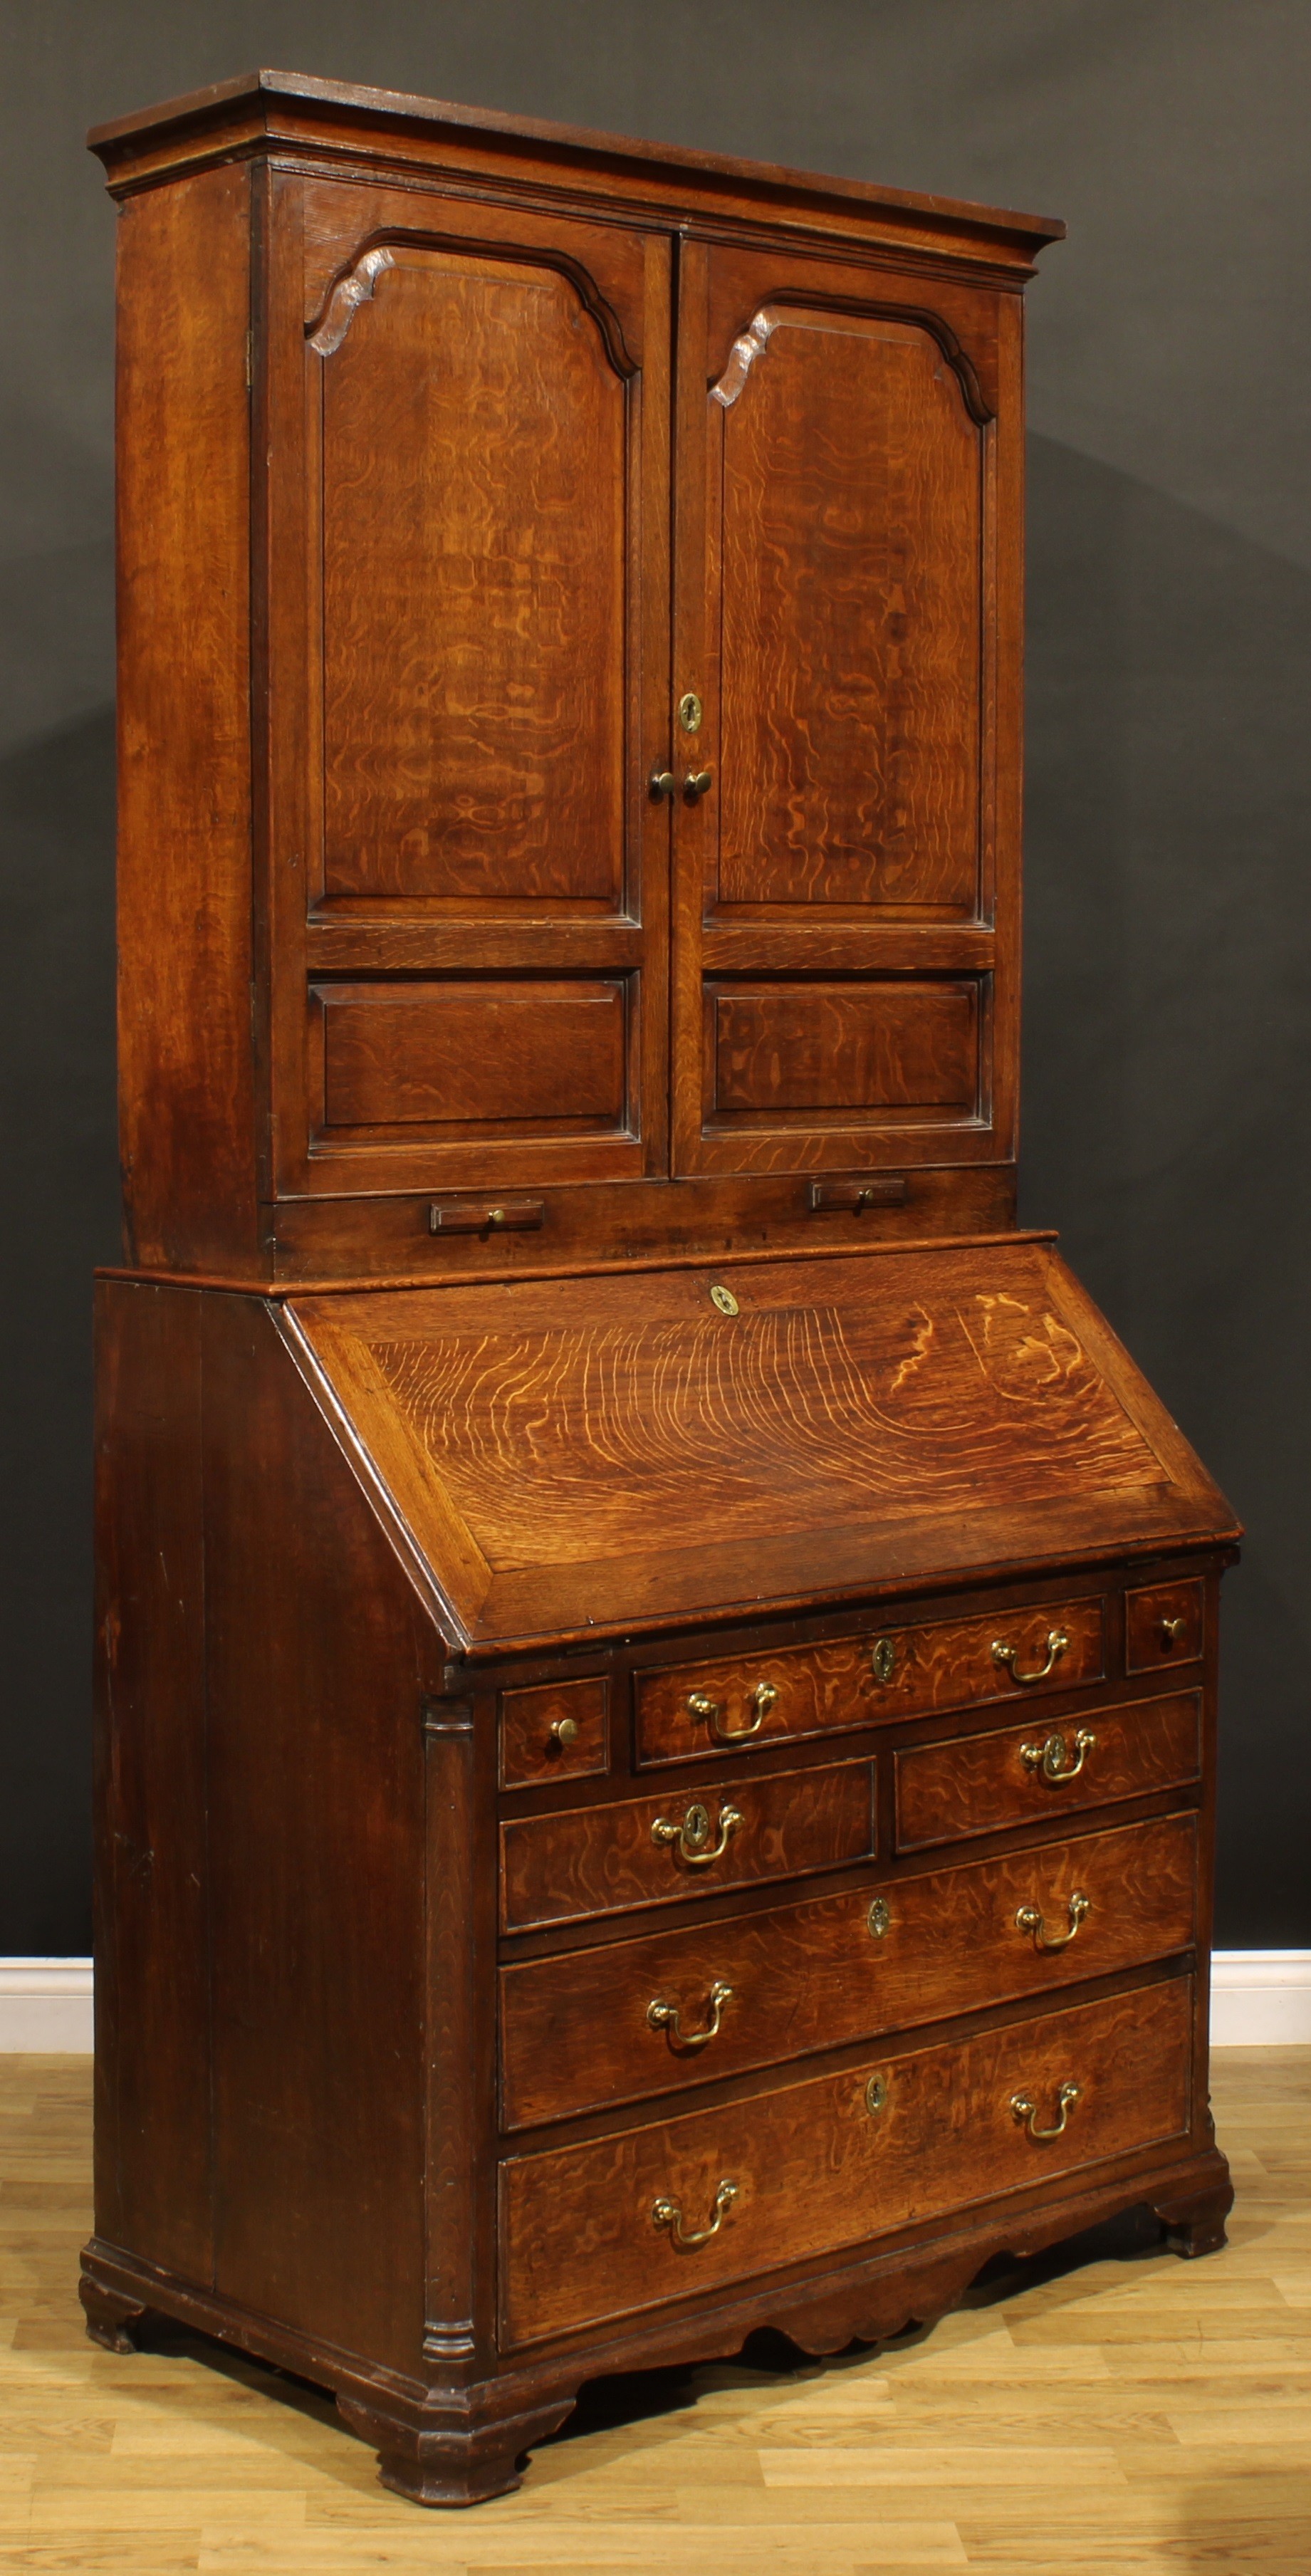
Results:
[1259, 1999]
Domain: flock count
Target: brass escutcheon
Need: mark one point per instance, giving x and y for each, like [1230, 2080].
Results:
[876, 2094]
[668, 2213]
[665, 2016]
[1057, 1641]
[762, 1699]
[883, 1656]
[1030, 1918]
[1025, 2109]
[1052, 1760]
[689, 712]
[691, 1837]
[879, 1917]
[724, 1299]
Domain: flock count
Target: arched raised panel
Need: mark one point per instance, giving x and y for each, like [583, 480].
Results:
[474, 521]
[848, 469]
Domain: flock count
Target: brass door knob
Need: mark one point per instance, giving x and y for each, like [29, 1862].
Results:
[662, 782]
[698, 782]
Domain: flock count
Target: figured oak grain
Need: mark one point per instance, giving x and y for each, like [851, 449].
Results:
[982, 1783]
[606, 1860]
[905, 1048]
[850, 474]
[942, 1663]
[456, 1056]
[814, 2169]
[474, 539]
[575, 2033]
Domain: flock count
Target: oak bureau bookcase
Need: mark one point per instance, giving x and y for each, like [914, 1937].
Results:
[656, 1657]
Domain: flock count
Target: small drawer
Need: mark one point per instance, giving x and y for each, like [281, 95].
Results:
[659, 1851]
[1164, 1624]
[704, 1709]
[977, 1784]
[624, 2223]
[685, 2007]
[557, 1732]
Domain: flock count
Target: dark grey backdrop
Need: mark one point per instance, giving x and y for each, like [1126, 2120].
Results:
[1169, 906]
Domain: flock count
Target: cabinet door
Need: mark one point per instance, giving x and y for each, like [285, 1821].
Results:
[847, 628]
[467, 542]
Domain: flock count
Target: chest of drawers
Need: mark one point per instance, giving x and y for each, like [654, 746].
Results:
[656, 1658]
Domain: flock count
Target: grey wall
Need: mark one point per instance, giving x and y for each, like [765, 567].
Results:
[1169, 909]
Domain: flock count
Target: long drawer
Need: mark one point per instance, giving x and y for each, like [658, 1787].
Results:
[658, 2015]
[689, 1710]
[610, 1858]
[657, 2213]
[978, 1784]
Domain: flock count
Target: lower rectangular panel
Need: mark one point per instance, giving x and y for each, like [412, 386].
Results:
[894, 1047]
[593, 2231]
[466, 1053]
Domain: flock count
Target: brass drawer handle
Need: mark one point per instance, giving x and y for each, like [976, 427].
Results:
[1057, 1641]
[663, 2016]
[762, 1699]
[668, 2213]
[1051, 1758]
[691, 1837]
[1025, 2109]
[1031, 1919]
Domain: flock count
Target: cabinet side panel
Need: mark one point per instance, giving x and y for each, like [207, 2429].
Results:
[152, 1970]
[187, 1124]
[319, 1658]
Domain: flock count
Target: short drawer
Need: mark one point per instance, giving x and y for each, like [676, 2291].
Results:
[555, 1732]
[1164, 1624]
[658, 1851]
[680, 2008]
[626, 2222]
[978, 1784]
[688, 1710]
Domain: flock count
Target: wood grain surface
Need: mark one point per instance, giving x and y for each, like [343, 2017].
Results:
[850, 475]
[1164, 1624]
[901, 1048]
[606, 1860]
[981, 1783]
[814, 2168]
[617, 1447]
[575, 2032]
[474, 479]
[1105, 2408]
[556, 1731]
[943, 1663]
[461, 1057]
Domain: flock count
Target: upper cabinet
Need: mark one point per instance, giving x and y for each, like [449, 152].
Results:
[570, 687]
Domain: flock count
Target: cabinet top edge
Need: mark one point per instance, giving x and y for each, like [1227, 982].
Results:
[273, 106]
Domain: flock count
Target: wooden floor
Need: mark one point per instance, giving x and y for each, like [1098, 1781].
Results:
[1138, 2413]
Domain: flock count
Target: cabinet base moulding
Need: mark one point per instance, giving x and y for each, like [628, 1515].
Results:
[461, 2442]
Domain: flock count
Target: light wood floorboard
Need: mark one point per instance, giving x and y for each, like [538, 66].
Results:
[1138, 2414]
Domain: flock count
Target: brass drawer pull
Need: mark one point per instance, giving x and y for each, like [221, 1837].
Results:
[661, 782]
[1057, 1641]
[1025, 2109]
[663, 2016]
[691, 1837]
[698, 782]
[1051, 1758]
[564, 1730]
[762, 1699]
[1031, 1919]
[1171, 1631]
[668, 2213]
